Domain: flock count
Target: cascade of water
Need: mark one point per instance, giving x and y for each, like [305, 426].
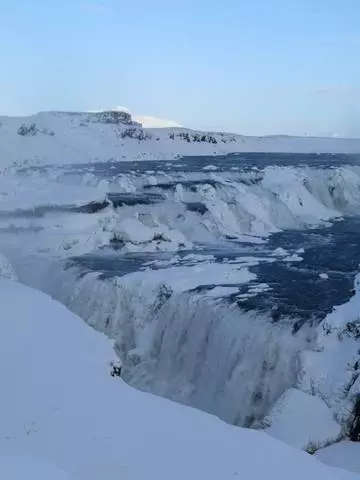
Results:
[207, 354]
[218, 358]
[210, 355]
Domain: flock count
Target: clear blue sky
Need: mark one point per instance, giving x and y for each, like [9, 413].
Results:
[251, 66]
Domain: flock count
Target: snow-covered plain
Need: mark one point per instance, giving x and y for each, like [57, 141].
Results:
[58, 138]
[61, 411]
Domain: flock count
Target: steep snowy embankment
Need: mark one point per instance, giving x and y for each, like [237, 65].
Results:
[69, 138]
[328, 386]
[333, 371]
[61, 406]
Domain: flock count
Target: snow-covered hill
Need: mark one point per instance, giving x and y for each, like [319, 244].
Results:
[61, 407]
[58, 137]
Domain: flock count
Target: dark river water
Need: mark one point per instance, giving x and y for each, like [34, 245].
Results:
[303, 291]
[226, 163]
[297, 290]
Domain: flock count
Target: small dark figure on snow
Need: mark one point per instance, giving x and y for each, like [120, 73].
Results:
[355, 427]
[116, 371]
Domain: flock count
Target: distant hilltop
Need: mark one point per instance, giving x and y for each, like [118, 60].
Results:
[112, 135]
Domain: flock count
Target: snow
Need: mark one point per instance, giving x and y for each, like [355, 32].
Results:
[280, 252]
[299, 200]
[211, 168]
[302, 420]
[219, 292]
[6, 269]
[327, 386]
[132, 230]
[344, 454]
[293, 258]
[330, 370]
[181, 279]
[14, 466]
[136, 233]
[60, 405]
[60, 137]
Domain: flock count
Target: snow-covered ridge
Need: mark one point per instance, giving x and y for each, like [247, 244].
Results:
[61, 137]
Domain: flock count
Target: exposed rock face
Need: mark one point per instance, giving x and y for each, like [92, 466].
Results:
[116, 117]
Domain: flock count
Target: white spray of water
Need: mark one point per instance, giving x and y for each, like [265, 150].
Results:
[218, 358]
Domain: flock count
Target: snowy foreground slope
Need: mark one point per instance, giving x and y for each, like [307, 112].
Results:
[61, 407]
[55, 137]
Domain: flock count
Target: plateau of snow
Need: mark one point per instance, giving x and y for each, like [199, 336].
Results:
[61, 411]
[60, 137]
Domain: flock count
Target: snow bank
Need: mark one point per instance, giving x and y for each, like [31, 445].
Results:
[302, 420]
[59, 403]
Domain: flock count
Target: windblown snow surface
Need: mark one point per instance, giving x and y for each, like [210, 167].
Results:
[215, 277]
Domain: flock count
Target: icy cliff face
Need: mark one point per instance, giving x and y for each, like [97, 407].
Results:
[332, 371]
[319, 411]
